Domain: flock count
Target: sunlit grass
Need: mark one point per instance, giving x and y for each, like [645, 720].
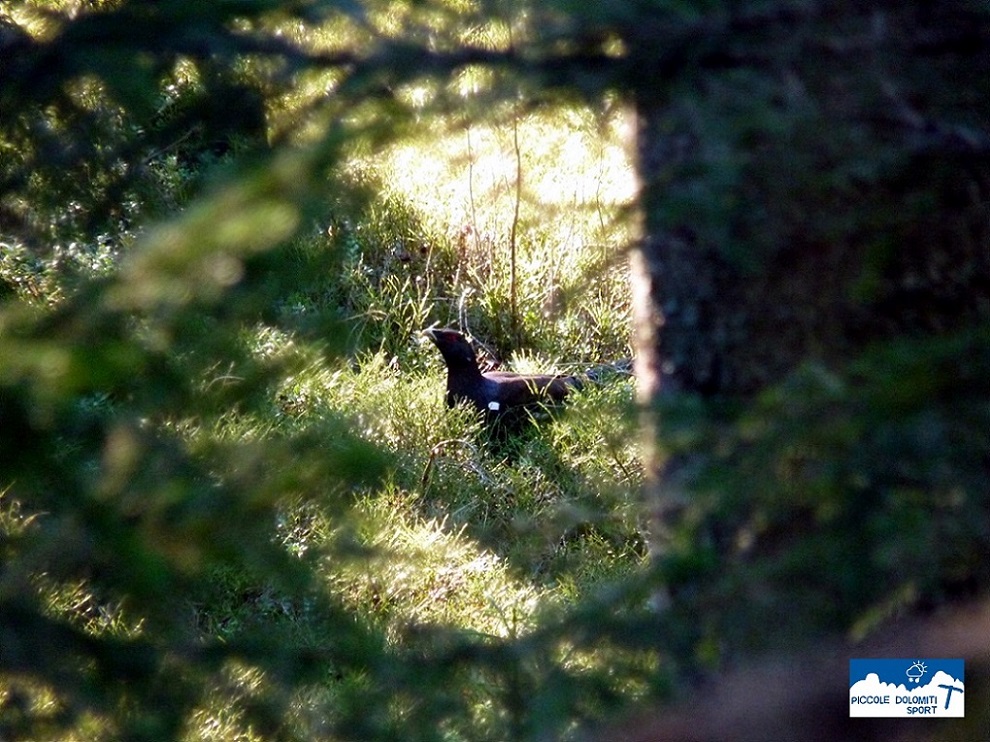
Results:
[424, 571]
[576, 180]
[463, 534]
[480, 536]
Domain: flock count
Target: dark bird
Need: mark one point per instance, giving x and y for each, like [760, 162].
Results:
[494, 392]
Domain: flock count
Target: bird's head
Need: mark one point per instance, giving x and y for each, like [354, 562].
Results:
[453, 346]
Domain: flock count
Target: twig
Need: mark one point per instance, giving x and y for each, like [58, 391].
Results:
[436, 451]
[474, 210]
[513, 303]
[462, 318]
[934, 133]
[156, 153]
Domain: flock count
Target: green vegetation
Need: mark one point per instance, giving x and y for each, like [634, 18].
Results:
[232, 502]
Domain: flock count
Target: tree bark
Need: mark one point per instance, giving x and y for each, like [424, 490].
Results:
[846, 203]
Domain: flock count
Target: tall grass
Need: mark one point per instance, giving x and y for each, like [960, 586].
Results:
[565, 226]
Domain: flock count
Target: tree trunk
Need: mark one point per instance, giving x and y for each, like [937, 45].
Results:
[810, 185]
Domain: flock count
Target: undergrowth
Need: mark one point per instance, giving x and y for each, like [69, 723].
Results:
[453, 529]
[465, 531]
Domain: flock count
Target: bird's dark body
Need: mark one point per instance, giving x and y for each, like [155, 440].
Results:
[495, 393]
